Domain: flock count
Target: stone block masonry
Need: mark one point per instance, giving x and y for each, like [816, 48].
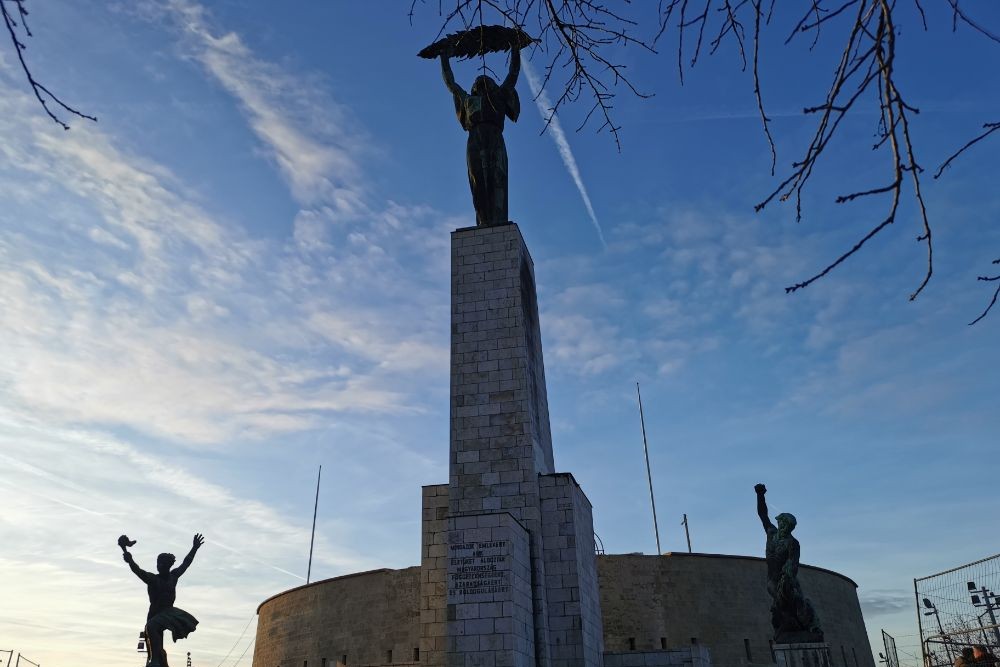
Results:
[433, 575]
[500, 437]
[500, 455]
[576, 629]
[803, 655]
[500, 440]
[490, 613]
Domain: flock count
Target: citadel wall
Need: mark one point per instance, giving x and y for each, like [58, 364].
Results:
[720, 601]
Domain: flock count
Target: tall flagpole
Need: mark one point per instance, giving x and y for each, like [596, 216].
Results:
[649, 474]
[312, 537]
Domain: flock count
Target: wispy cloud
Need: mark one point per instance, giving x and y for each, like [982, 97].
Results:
[304, 131]
[154, 313]
[555, 129]
[876, 602]
[72, 492]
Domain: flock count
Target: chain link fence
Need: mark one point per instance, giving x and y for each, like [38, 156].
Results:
[891, 655]
[958, 609]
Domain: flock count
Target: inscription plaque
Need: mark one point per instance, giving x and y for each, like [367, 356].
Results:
[479, 568]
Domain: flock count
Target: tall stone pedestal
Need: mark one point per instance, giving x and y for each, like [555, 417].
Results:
[510, 576]
[814, 654]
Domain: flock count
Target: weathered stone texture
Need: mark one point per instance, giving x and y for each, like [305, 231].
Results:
[689, 656]
[803, 655]
[490, 615]
[500, 440]
[574, 609]
[362, 616]
[433, 574]
[500, 437]
[719, 602]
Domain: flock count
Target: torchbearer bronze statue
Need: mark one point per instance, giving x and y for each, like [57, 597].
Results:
[482, 110]
[792, 615]
[162, 589]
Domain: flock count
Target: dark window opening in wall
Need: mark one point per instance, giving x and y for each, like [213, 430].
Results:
[305, 663]
[663, 643]
[746, 647]
[343, 659]
[770, 645]
[694, 641]
[631, 643]
[388, 657]
[855, 653]
[322, 662]
[416, 654]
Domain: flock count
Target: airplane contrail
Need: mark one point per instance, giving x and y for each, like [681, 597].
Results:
[558, 136]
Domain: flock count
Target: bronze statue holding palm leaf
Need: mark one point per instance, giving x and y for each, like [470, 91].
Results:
[482, 111]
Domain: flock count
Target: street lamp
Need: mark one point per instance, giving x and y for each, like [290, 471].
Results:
[983, 597]
[944, 637]
[142, 647]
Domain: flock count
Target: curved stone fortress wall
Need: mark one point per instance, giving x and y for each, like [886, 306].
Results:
[648, 602]
[720, 602]
[357, 619]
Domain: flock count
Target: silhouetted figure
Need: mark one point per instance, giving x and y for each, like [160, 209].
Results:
[162, 588]
[792, 615]
[481, 112]
[982, 657]
[966, 658]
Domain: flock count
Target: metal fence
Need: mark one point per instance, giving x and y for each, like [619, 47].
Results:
[957, 609]
[891, 656]
[8, 659]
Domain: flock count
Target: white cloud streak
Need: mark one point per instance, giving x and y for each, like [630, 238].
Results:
[544, 105]
[72, 492]
[302, 130]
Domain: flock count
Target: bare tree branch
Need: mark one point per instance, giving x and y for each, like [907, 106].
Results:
[990, 129]
[42, 94]
[577, 35]
[996, 293]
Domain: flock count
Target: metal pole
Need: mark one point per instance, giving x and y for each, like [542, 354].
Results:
[649, 474]
[982, 629]
[993, 618]
[920, 624]
[944, 637]
[687, 533]
[312, 537]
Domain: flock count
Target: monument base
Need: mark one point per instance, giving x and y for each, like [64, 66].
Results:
[489, 611]
[807, 654]
[689, 656]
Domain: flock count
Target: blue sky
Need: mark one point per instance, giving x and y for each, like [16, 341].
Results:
[241, 272]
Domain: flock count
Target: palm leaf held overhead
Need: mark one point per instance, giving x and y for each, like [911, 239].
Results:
[478, 41]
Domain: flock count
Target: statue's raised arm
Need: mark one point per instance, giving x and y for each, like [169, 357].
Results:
[762, 507]
[186, 563]
[513, 102]
[515, 69]
[449, 76]
[125, 543]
